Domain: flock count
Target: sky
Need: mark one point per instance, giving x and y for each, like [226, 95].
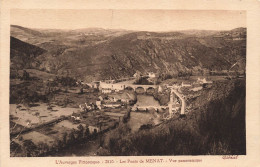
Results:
[141, 20]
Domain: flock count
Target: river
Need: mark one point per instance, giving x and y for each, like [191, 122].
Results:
[137, 119]
[146, 100]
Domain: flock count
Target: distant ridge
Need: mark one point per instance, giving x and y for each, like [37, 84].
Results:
[129, 30]
[91, 54]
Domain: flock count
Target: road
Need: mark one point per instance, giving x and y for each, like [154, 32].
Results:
[183, 104]
[170, 104]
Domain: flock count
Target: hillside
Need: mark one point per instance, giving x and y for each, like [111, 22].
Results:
[217, 127]
[22, 54]
[91, 54]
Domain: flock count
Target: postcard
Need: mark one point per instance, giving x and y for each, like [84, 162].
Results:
[172, 83]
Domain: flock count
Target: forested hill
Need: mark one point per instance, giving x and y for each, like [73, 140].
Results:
[22, 54]
[91, 54]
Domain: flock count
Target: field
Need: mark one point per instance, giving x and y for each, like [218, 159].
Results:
[38, 114]
[36, 138]
[43, 108]
[57, 134]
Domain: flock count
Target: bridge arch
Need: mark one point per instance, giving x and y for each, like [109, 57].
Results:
[129, 88]
[140, 90]
[150, 90]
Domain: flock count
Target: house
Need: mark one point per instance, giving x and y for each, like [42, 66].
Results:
[125, 100]
[112, 105]
[151, 75]
[203, 81]
[79, 83]
[98, 103]
[137, 74]
[94, 84]
[93, 128]
[159, 89]
[76, 116]
[100, 98]
[82, 107]
[89, 107]
[185, 84]
[118, 87]
[113, 99]
[106, 90]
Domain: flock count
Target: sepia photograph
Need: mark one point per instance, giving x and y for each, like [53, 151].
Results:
[127, 82]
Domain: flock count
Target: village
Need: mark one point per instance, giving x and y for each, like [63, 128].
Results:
[116, 94]
[114, 102]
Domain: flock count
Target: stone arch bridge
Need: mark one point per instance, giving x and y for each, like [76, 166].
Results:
[134, 87]
[123, 86]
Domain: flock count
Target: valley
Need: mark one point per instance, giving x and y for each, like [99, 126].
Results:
[102, 92]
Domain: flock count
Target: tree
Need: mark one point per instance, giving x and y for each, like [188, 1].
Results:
[46, 147]
[56, 145]
[72, 136]
[87, 133]
[43, 148]
[95, 133]
[30, 148]
[80, 131]
[81, 90]
[26, 75]
[59, 145]
[64, 137]
[180, 74]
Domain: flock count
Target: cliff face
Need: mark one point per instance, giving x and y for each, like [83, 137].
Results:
[106, 53]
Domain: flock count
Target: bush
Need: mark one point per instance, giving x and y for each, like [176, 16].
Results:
[163, 98]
